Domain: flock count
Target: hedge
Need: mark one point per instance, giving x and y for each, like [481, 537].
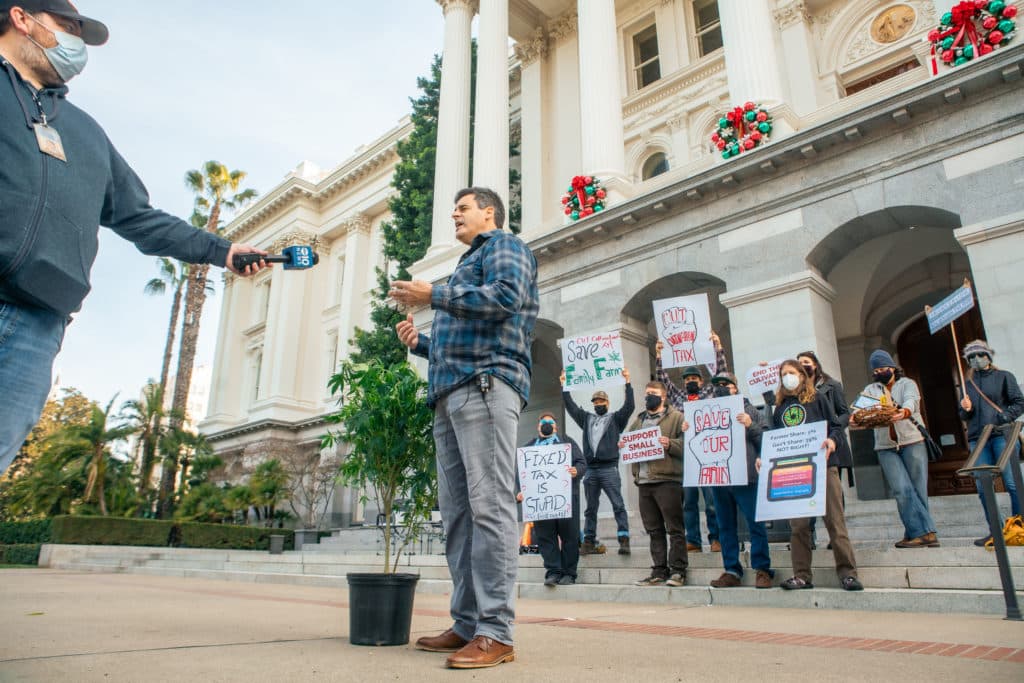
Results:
[91, 530]
[229, 536]
[20, 553]
[34, 531]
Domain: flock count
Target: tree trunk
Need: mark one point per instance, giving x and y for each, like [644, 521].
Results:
[172, 327]
[148, 455]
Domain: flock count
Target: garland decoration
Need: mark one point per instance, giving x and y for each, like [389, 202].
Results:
[584, 196]
[742, 129]
[972, 28]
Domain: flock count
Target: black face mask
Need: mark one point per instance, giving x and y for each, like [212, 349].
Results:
[547, 430]
[721, 391]
[600, 410]
[809, 371]
[883, 376]
[652, 402]
[692, 387]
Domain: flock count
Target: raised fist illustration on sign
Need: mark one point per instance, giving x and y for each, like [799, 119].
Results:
[712, 445]
[680, 333]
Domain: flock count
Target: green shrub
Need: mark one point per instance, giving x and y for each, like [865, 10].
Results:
[111, 531]
[20, 553]
[230, 536]
[34, 531]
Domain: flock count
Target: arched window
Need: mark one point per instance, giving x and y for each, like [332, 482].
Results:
[656, 164]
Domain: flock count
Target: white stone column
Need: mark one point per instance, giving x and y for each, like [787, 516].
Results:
[230, 354]
[490, 139]
[282, 363]
[531, 56]
[994, 248]
[798, 55]
[358, 264]
[752, 57]
[601, 131]
[451, 171]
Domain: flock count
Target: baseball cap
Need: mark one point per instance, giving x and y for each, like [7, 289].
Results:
[726, 377]
[93, 32]
[599, 396]
[691, 370]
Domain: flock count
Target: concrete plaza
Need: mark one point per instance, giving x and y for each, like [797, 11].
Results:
[69, 626]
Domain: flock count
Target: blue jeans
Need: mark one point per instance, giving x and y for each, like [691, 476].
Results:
[989, 456]
[727, 499]
[605, 479]
[29, 341]
[691, 513]
[906, 471]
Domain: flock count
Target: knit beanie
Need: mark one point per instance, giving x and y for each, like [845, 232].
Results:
[978, 346]
[881, 359]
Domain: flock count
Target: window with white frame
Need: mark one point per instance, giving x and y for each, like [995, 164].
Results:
[656, 164]
[646, 65]
[708, 36]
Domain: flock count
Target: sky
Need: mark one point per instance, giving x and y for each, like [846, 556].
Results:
[257, 85]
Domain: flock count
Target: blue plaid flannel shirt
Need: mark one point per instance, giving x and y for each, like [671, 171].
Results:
[484, 317]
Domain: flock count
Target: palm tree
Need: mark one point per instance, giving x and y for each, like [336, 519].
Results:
[188, 448]
[146, 416]
[92, 441]
[217, 190]
[173, 276]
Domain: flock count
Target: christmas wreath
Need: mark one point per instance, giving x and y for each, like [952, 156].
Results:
[585, 196]
[742, 129]
[973, 28]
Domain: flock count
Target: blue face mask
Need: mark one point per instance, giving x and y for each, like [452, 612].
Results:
[69, 57]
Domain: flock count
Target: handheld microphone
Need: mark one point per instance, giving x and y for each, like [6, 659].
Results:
[298, 257]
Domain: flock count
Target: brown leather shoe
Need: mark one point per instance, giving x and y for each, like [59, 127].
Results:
[449, 641]
[480, 653]
[931, 539]
[726, 580]
[693, 548]
[764, 579]
[716, 547]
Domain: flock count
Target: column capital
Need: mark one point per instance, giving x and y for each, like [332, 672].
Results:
[472, 5]
[563, 26]
[533, 49]
[790, 12]
[991, 229]
[807, 279]
[294, 237]
[357, 223]
[228, 278]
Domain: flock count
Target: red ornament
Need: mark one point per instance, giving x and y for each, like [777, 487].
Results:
[947, 56]
[565, 199]
[587, 180]
[714, 137]
[989, 23]
[981, 4]
[590, 200]
[749, 106]
[720, 145]
[748, 144]
[752, 125]
[933, 35]
[756, 136]
[762, 116]
[995, 37]
[568, 210]
[984, 49]
[600, 194]
[587, 211]
[1009, 12]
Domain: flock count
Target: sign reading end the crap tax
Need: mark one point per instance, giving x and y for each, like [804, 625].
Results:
[545, 481]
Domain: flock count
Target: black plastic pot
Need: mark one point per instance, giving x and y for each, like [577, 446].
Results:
[380, 608]
[276, 544]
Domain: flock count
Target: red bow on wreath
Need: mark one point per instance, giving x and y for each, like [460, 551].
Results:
[735, 117]
[579, 184]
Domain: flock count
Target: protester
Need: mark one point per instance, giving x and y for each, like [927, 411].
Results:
[62, 179]
[694, 389]
[478, 380]
[993, 398]
[799, 403]
[901, 450]
[601, 431]
[559, 539]
[658, 483]
[729, 498]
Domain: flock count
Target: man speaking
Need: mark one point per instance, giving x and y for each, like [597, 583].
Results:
[60, 179]
[478, 382]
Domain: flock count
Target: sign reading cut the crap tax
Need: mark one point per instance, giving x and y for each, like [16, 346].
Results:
[684, 327]
[592, 360]
[545, 481]
[641, 445]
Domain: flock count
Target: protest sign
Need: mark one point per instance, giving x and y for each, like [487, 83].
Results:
[950, 308]
[642, 445]
[763, 378]
[545, 481]
[793, 468]
[684, 327]
[592, 360]
[715, 445]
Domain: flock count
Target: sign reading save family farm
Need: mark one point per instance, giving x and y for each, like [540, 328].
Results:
[592, 360]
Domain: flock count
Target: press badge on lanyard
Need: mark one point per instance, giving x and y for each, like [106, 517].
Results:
[49, 141]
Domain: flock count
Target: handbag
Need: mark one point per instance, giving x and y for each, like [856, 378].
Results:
[1013, 533]
[934, 450]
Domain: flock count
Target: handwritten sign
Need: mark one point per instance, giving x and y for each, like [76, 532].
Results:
[715, 445]
[642, 445]
[592, 360]
[545, 481]
[762, 378]
[793, 469]
[684, 327]
[950, 308]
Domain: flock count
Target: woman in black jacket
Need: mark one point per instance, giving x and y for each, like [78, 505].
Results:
[797, 403]
[993, 398]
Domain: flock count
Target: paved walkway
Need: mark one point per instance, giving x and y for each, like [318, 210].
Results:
[57, 625]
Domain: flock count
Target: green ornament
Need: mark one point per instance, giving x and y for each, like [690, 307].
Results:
[589, 189]
[959, 60]
[996, 7]
[725, 153]
[750, 115]
[598, 207]
[575, 215]
[1006, 26]
[947, 42]
[723, 122]
[946, 19]
[764, 127]
[968, 51]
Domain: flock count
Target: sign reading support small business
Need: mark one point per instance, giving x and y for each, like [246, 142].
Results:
[641, 445]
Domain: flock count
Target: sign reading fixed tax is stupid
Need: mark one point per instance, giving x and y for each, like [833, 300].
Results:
[592, 360]
[715, 445]
[545, 481]
[684, 327]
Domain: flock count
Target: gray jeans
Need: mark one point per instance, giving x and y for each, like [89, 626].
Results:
[475, 435]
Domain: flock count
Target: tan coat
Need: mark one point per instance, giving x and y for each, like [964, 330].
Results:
[669, 468]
